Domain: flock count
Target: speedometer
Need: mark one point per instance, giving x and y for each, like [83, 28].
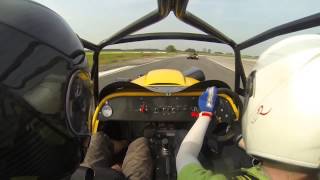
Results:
[106, 110]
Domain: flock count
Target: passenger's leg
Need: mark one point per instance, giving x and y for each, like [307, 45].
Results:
[100, 151]
[138, 165]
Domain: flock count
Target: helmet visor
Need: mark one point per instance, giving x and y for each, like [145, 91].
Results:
[249, 90]
[80, 103]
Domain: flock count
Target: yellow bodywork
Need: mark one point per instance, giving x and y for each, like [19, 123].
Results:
[164, 77]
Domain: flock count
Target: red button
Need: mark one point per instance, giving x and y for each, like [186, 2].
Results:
[194, 114]
[143, 108]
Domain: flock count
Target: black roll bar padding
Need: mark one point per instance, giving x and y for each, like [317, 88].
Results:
[240, 75]
[180, 7]
[89, 45]
[194, 21]
[293, 26]
[145, 21]
[181, 13]
[169, 35]
[164, 8]
[95, 75]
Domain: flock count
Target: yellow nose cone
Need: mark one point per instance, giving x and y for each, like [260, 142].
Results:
[164, 77]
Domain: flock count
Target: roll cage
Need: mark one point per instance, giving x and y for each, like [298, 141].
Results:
[179, 8]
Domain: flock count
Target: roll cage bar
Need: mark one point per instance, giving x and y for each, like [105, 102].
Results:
[179, 8]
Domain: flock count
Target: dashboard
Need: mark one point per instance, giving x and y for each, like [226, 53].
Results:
[161, 108]
[150, 108]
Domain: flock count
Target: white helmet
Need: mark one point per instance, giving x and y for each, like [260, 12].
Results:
[282, 118]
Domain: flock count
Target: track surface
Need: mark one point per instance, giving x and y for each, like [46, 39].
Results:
[211, 69]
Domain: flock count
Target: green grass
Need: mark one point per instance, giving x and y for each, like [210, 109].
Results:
[115, 57]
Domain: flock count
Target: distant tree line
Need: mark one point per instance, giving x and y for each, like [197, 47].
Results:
[190, 50]
[171, 48]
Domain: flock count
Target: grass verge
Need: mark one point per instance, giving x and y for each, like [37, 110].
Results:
[114, 57]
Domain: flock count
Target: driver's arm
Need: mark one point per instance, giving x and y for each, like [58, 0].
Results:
[192, 143]
[188, 166]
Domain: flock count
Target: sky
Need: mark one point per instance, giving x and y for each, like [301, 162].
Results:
[96, 20]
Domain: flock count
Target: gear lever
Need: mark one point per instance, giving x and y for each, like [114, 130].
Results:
[166, 154]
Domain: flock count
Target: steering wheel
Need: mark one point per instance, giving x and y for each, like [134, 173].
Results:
[227, 116]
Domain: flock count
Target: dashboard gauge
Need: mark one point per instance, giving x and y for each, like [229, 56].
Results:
[106, 110]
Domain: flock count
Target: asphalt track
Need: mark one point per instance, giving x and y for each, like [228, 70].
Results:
[211, 69]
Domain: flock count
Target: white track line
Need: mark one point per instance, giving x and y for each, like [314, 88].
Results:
[247, 64]
[112, 71]
[225, 65]
[105, 73]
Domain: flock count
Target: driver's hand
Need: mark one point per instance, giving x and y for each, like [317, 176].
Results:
[207, 100]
